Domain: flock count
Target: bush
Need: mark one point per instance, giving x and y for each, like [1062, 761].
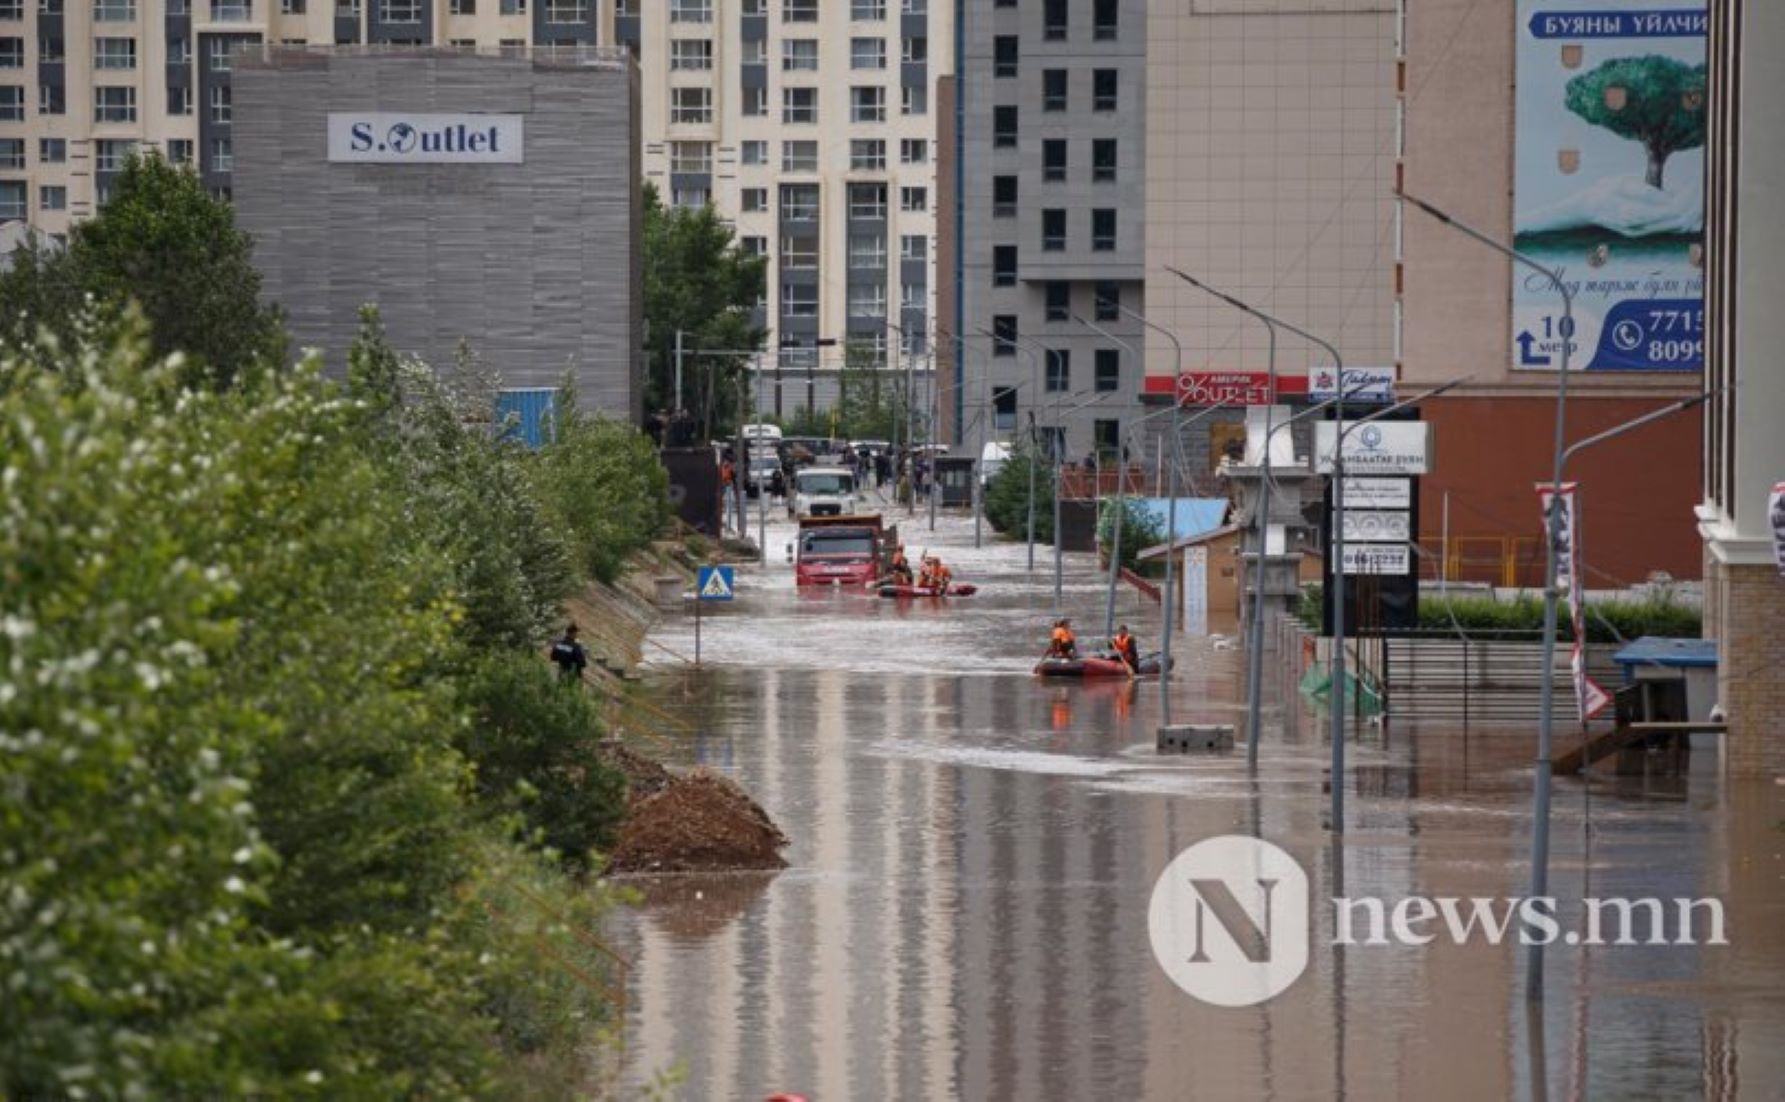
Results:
[534, 743]
[602, 482]
[1630, 619]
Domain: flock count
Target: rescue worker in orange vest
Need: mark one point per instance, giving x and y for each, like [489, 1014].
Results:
[1126, 648]
[934, 574]
[900, 571]
[1064, 643]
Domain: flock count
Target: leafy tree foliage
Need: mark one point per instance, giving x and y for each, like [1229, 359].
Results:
[1140, 528]
[162, 242]
[1658, 101]
[698, 280]
[601, 481]
[1007, 496]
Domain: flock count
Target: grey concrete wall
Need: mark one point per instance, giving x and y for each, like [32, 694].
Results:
[534, 264]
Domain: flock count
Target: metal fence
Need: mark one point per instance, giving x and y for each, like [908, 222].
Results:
[1479, 679]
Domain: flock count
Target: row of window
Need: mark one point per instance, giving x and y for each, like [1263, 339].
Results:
[867, 104]
[798, 55]
[1057, 362]
[865, 300]
[792, 11]
[797, 202]
[109, 154]
[1056, 19]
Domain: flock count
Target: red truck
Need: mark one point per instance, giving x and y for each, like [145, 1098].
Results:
[842, 551]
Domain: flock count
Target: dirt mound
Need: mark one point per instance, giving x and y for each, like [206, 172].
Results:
[644, 776]
[702, 822]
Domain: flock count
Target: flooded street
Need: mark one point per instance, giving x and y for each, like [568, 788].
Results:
[965, 911]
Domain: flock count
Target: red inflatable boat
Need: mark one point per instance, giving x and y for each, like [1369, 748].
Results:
[1099, 665]
[907, 592]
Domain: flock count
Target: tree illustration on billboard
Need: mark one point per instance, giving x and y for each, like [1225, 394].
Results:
[1654, 100]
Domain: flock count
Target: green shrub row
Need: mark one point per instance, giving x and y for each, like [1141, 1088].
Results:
[1606, 621]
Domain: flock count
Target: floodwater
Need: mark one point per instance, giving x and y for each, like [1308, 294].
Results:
[973, 854]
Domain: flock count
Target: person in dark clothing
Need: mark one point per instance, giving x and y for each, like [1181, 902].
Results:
[570, 656]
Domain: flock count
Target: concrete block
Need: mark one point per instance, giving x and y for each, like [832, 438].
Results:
[1187, 738]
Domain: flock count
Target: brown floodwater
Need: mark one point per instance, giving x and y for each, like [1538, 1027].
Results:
[965, 911]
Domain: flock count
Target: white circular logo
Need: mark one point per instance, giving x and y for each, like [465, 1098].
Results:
[1627, 335]
[1372, 437]
[1229, 920]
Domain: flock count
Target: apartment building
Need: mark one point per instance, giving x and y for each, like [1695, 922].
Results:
[84, 82]
[1049, 174]
[811, 126]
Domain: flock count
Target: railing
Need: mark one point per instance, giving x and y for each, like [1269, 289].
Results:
[1480, 678]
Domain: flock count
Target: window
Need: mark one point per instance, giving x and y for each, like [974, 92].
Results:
[395, 11]
[690, 11]
[44, 7]
[298, 7]
[12, 153]
[867, 201]
[750, 7]
[690, 55]
[1103, 19]
[1004, 127]
[12, 199]
[689, 197]
[179, 50]
[867, 300]
[114, 103]
[867, 250]
[223, 158]
[756, 51]
[51, 100]
[567, 12]
[1005, 59]
[1004, 334]
[1109, 369]
[799, 11]
[1103, 89]
[914, 99]
[1004, 265]
[1053, 230]
[235, 11]
[52, 151]
[1106, 437]
[109, 154]
[756, 102]
[179, 100]
[52, 197]
[799, 300]
[13, 9]
[915, 7]
[114, 11]
[1103, 160]
[179, 151]
[799, 55]
[754, 246]
[220, 103]
[691, 156]
[799, 253]
[1059, 370]
[914, 246]
[1107, 297]
[1103, 230]
[1054, 20]
[503, 7]
[916, 51]
[1003, 406]
[218, 54]
[867, 155]
[1004, 197]
[867, 53]
[462, 7]
[753, 154]
[799, 156]
[1053, 160]
[754, 200]
[12, 53]
[1053, 90]
[914, 200]
[867, 11]
[690, 105]
[798, 202]
[1059, 301]
[799, 105]
[867, 104]
[49, 48]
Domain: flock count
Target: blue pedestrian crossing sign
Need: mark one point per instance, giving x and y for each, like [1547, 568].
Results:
[715, 583]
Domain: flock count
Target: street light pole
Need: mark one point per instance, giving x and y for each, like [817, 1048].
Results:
[1540, 785]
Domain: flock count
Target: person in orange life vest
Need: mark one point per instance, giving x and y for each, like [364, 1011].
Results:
[1126, 647]
[934, 575]
[1064, 643]
[900, 572]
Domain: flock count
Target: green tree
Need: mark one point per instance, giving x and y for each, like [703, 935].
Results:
[871, 396]
[1657, 101]
[1007, 496]
[601, 482]
[162, 242]
[1140, 528]
[699, 281]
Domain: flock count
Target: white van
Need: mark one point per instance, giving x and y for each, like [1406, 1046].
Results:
[822, 492]
[765, 435]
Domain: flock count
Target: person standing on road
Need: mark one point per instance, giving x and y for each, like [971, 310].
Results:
[569, 656]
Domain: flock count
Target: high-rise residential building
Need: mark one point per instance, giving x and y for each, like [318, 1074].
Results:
[84, 82]
[810, 126]
[1049, 171]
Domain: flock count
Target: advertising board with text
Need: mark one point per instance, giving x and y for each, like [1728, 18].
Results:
[1378, 558]
[1233, 388]
[1369, 385]
[1375, 447]
[1607, 187]
[407, 137]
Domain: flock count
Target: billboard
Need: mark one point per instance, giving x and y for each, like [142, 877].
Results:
[1228, 388]
[1608, 183]
[1375, 447]
[401, 137]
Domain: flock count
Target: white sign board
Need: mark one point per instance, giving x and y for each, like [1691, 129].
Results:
[1376, 524]
[1378, 558]
[1378, 493]
[408, 138]
[1362, 384]
[1376, 447]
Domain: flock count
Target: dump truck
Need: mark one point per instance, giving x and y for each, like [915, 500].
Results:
[842, 550]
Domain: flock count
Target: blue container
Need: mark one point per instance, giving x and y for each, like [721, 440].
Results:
[527, 416]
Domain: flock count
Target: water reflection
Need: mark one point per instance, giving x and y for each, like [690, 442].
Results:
[965, 914]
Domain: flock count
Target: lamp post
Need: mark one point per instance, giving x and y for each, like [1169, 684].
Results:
[1540, 785]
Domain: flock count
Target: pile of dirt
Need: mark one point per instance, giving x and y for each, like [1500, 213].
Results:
[645, 777]
[701, 822]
